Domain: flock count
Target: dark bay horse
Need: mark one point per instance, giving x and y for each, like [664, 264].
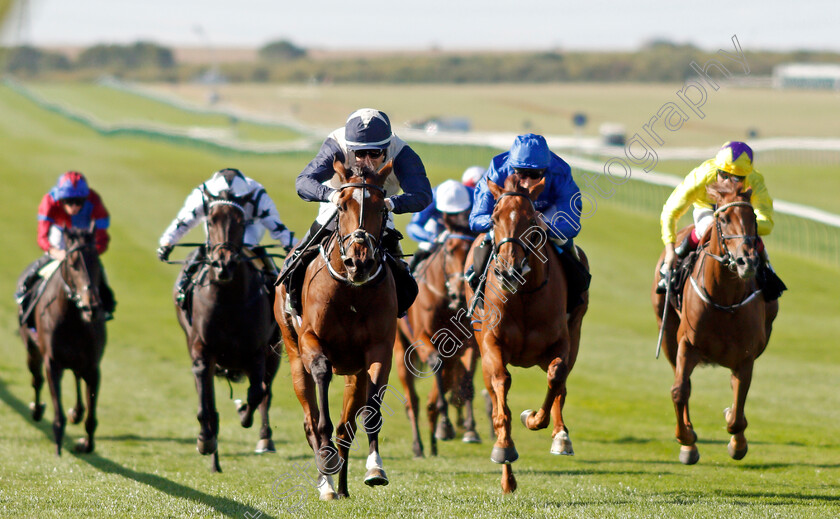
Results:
[724, 319]
[440, 307]
[70, 334]
[230, 331]
[347, 328]
[525, 320]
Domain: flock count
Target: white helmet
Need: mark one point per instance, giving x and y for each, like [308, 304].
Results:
[472, 175]
[452, 197]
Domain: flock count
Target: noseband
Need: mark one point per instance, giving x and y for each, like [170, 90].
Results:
[73, 293]
[234, 248]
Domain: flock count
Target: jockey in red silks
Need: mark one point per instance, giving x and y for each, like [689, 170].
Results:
[69, 204]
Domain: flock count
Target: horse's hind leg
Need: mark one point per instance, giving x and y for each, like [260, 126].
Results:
[272, 364]
[736, 421]
[680, 393]
[54, 373]
[467, 394]
[75, 414]
[412, 405]
[208, 417]
[85, 445]
[35, 361]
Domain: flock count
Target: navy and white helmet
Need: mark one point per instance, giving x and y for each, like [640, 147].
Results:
[367, 128]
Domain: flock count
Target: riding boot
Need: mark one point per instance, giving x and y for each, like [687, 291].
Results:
[687, 246]
[185, 280]
[107, 295]
[768, 281]
[578, 278]
[29, 277]
[405, 284]
[268, 270]
[481, 255]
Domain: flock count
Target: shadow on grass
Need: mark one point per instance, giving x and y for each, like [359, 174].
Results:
[144, 439]
[222, 505]
[767, 498]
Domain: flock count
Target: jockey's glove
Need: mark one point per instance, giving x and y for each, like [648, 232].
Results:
[333, 197]
[389, 204]
[163, 252]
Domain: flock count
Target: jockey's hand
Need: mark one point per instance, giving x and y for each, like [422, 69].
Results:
[163, 252]
[670, 256]
[57, 254]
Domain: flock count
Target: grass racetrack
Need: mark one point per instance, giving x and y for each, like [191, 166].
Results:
[619, 409]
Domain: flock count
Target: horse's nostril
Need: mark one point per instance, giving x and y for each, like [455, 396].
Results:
[348, 262]
[368, 264]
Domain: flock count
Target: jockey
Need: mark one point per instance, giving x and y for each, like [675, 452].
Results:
[558, 206]
[69, 204]
[260, 214]
[734, 164]
[452, 202]
[365, 140]
[471, 176]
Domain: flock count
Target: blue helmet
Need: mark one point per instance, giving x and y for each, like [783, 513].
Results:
[367, 128]
[70, 185]
[529, 151]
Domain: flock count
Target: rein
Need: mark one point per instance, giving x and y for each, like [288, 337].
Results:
[727, 260]
[73, 295]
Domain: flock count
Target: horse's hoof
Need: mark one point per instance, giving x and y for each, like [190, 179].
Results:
[37, 410]
[444, 430]
[375, 477]
[524, 417]
[75, 416]
[328, 496]
[206, 447]
[471, 437]
[265, 445]
[326, 490]
[736, 454]
[689, 455]
[240, 405]
[561, 445]
[726, 413]
[83, 446]
[417, 450]
[504, 455]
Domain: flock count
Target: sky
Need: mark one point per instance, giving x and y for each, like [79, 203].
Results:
[442, 24]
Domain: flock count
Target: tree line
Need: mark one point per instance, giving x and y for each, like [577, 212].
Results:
[282, 61]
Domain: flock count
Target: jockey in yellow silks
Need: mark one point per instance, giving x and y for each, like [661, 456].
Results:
[733, 163]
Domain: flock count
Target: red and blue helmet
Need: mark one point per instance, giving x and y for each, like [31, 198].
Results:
[70, 185]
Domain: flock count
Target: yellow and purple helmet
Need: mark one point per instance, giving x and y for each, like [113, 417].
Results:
[736, 158]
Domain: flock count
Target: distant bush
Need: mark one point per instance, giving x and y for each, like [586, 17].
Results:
[279, 51]
[29, 60]
[135, 55]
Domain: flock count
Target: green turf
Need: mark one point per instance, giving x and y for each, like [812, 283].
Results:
[619, 408]
[114, 106]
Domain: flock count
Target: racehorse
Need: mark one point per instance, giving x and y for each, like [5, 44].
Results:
[723, 320]
[525, 302]
[440, 305]
[69, 334]
[228, 325]
[347, 327]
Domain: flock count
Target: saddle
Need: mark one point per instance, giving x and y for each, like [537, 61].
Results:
[679, 276]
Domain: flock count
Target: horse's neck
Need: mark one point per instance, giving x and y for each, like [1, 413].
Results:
[723, 285]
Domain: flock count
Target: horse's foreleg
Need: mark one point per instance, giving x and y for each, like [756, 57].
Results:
[438, 409]
[272, 364]
[256, 392]
[208, 417]
[326, 456]
[412, 404]
[86, 445]
[54, 373]
[556, 373]
[35, 362]
[736, 421]
[497, 379]
[355, 387]
[77, 413]
[680, 393]
[379, 367]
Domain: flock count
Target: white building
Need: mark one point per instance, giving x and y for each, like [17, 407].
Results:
[807, 75]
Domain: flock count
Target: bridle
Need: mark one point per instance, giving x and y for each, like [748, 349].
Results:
[73, 293]
[211, 249]
[728, 260]
[524, 267]
[359, 236]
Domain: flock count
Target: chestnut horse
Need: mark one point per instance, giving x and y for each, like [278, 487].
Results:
[70, 334]
[347, 327]
[724, 320]
[525, 302]
[440, 307]
[230, 331]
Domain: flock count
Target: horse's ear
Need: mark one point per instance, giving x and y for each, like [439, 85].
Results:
[536, 189]
[339, 168]
[494, 189]
[380, 177]
[746, 195]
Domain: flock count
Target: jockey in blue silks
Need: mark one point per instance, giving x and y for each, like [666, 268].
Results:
[558, 206]
[452, 202]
